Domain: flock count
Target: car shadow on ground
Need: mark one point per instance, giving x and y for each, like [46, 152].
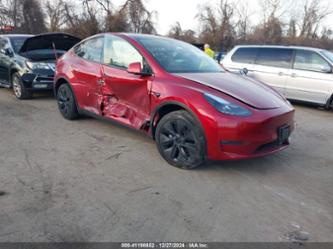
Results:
[44, 95]
[47, 95]
[260, 164]
[306, 105]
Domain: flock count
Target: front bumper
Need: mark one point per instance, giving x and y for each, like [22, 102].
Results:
[256, 136]
[37, 82]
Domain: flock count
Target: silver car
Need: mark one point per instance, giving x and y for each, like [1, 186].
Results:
[299, 73]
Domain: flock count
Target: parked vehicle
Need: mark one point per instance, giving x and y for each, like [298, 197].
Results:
[175, 93]
[300, 73]
[27, 62]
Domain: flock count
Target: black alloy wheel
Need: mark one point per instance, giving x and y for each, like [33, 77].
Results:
[180, 140]
[66, 102]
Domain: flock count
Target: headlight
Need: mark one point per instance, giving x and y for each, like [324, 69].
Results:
[226, 107]
[38, 65]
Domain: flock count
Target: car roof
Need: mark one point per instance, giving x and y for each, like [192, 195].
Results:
[135, 36]
[280, 46]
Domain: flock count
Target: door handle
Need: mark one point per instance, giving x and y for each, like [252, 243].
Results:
[293, 75]
[280, 74]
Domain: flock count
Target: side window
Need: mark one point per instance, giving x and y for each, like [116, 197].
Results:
[310, 61]
[274, 57]
[91, 50]
[245, 55]
[120, 53]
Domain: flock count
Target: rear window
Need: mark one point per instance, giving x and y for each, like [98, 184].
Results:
[274, 57]
[245, 55]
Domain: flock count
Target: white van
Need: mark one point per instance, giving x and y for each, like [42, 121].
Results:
[300, 73]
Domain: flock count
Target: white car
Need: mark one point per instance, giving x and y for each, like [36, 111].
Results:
[299, 73]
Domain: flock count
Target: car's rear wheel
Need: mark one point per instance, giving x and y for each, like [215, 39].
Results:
[180, 140]
[66, 102]
[20, 91]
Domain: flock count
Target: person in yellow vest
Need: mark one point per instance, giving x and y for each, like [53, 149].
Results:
[209, 51]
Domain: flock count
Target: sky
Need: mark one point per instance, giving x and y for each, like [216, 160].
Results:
[184, 11]
[171, 11]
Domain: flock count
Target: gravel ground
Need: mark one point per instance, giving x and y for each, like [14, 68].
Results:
[92, 181]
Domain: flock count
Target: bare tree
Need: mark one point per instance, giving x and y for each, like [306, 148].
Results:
[56, 14]
[106, 5]
[271, 9]
[82, 21]
[116, 22]
[217, 27]
[26, 16]
[11, 12]
[314, 12]
[140, 20]
[33, 17]
[243, 25]
[292, 30]
[177, 32]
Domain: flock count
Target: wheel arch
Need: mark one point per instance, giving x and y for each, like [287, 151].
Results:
[60, 81]
[172, 106]
[329, 104]
[166, 108]
[12, 70]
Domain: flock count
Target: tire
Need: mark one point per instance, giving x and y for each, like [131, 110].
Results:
[180, 140]
[66, 102]
[19, 90]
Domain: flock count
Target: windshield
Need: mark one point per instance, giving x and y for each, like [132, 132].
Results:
[179, 57]
[328, 55]
[17, 42]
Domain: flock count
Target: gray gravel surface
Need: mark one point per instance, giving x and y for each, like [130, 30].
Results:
[92, 181]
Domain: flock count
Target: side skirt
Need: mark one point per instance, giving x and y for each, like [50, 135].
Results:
[114, 122]
[307, 103]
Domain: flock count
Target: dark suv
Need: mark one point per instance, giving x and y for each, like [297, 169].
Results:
[27, 63]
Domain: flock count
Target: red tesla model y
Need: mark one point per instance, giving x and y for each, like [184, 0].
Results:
[175, 93]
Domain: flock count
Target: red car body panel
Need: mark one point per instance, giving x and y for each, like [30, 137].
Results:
[134, 101]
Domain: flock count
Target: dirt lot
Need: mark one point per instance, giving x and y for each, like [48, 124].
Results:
[92, 181]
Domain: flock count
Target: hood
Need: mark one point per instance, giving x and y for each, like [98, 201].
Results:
[248, 91]
[60, 41]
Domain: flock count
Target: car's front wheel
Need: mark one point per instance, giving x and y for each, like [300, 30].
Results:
[180, 140]
[20, 91]
[66, 102]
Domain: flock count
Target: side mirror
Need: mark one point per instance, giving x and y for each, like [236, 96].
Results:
[135, 68]
[244, 71]
[327, 69]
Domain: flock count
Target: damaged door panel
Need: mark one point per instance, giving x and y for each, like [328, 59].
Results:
[88, 73]
[125, 97]
[88, 76]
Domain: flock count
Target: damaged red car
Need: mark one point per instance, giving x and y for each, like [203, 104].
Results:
[171, 90]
